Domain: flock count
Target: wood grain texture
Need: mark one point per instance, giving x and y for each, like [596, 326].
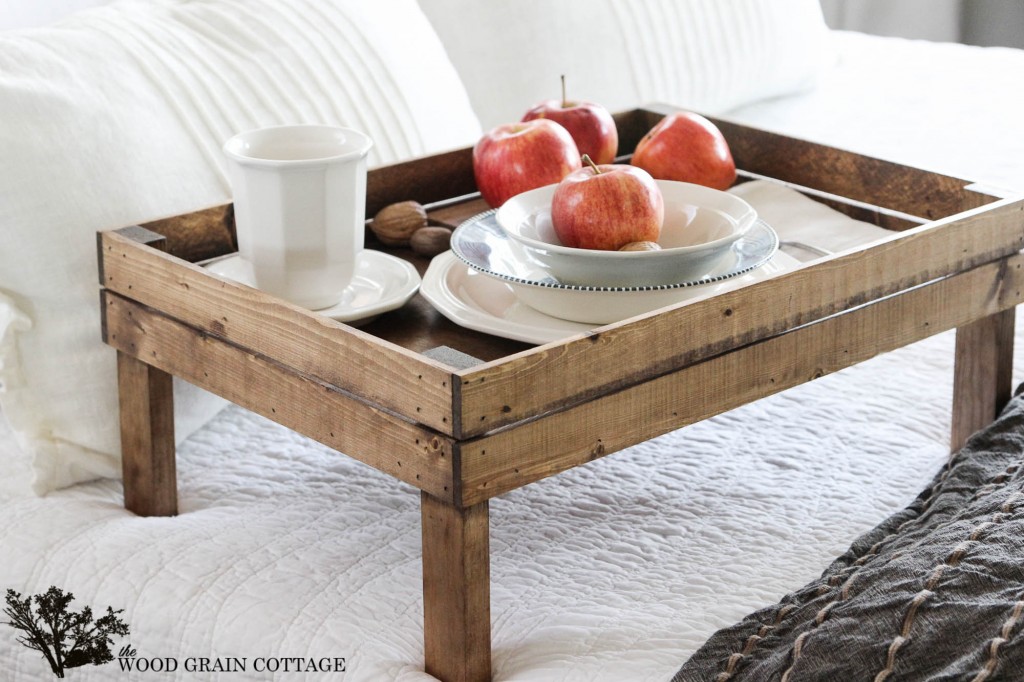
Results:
[634, 124]
[146, 401]
[146, 413]
[426, 180]
[136, 233]
[513, 457]
[381, 372]
[558, 375]
[983, 374]
[837, 171]
[456, 591]
[414, 454]
[197, 236]
[418, 326]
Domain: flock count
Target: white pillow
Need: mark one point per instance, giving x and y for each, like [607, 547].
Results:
[708, 55]
[117, 116]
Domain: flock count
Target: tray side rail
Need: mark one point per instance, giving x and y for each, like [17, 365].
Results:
[384, 374]
[558, 376]
[512, 457]
[410, 452]
[882, 192]
[842, 173]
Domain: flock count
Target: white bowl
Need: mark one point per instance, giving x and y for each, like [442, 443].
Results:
[483, 246]
[701, 224]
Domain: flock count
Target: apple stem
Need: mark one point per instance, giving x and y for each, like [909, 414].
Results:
[564, 101]
[587, 160]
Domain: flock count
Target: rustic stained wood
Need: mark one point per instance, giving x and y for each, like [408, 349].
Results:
[312, 344]
[406, 328]
[407, 451]
[146, 407]
[983, 374]
[426, 180]
[146, 402]
[843, 173]
[198, 236]
[510, 458]
[523, 413]
[560, 374]
[456, 591]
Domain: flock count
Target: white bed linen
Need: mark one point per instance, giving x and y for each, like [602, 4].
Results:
[615, 571]
[946, 107]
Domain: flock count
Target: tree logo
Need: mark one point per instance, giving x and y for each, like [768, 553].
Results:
[67, 639]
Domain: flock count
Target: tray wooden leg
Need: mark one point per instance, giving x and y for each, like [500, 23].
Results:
[982, 375]
[456, 591]
[147, 438]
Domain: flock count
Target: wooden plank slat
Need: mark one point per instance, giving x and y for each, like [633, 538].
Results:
[146, 400]
[411, 453]
[381, 372]
[870, 180]
[983, 375]
[837, 171]
[634, 124]
[513, 457]
[558, 375]
[456, 591]
[200, 235]
[426, 180]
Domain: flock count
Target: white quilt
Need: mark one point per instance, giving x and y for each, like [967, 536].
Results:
[615, 571]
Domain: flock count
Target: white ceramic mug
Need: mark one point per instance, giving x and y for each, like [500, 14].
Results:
[300, 203]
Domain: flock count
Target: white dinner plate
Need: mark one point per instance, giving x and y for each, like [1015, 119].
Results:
[478, 301]
[381, 283]
[486, 304]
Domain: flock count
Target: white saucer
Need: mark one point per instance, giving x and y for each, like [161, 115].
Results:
[484, 303]
[381, 283]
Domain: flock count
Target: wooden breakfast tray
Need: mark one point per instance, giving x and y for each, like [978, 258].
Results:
[463, 435]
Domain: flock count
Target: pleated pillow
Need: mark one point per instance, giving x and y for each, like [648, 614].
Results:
[117, 116]
[707, 55]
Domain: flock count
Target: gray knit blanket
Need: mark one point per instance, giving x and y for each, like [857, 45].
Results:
[935, 592]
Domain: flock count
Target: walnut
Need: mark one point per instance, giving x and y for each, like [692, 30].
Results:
[394, 225]
[430, 241]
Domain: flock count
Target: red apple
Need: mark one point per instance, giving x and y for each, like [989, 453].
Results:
[687, 147]
[517, 157]
[607, 207]
[591, 126]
